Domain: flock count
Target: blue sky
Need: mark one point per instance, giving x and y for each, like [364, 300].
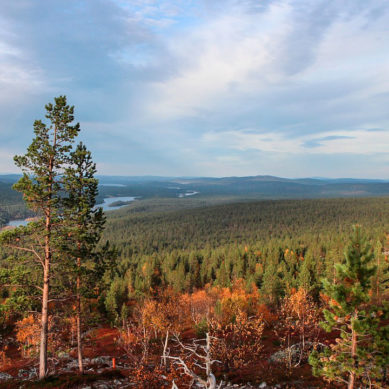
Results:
[204, 87]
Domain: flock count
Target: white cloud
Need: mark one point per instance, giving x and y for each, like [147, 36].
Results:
[223, 59]
[195, 87]
[361, 142]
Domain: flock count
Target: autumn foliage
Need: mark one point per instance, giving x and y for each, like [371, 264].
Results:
[237, 342]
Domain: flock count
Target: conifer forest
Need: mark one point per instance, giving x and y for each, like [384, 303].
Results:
[210, 288]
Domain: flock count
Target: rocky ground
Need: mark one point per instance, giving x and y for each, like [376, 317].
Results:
[100, 374]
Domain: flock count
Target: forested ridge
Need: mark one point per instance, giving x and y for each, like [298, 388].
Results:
[11, 204]
[245, 222]
[299, 241]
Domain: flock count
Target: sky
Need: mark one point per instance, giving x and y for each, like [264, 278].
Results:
[291, 88]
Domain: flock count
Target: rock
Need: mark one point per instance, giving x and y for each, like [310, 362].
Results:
[5, 377]
[65, 370]
[283, 356]
[104, 360]
[73, 363]
[101, 385]
[27, 374]
[296, 353]
[23, 373]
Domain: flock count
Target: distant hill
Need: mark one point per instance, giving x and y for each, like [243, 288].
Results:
[251, 187]
[275, 187]
[9, 178]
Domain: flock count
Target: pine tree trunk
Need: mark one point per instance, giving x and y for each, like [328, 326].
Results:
[79, 338]
[351, 380]
[46, 275]
[45, 305]
[44, 326]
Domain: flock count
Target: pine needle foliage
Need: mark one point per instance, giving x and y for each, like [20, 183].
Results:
[354, 358]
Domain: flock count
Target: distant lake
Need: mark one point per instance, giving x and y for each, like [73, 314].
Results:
[191, 193]
[111, 185]
[18, 222]
[104, 205]
[109, 200]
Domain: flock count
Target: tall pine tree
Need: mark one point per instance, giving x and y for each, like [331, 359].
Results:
[43, 166]
[350, 359]
[84, 224]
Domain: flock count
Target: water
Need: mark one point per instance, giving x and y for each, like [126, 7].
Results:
[112, 185]
[192, 193]
[110, 200]
[18, 222]
[104, 205]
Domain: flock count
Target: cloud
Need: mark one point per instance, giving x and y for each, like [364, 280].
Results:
[191, 88]
[362, 142]
[318, 141]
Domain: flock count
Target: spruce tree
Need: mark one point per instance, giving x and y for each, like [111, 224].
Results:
[350, 359]
[41, 184]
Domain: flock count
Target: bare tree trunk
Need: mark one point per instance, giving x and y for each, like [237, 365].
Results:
[211, 380]
[165, 348]
[174, 386]
[208, 355]
[79, 336]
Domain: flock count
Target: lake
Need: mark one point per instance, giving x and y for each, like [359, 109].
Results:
[191, 193]
[18, 222]
[105, 205]
[109, 200]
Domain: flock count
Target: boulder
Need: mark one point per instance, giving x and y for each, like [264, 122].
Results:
[27, 374]
[5, 377]
[103, 360]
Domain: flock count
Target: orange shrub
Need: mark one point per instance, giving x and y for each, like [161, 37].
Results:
[238, 343]
[266, 314]
[28, 335]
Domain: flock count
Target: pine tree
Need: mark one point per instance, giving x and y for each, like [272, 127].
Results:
[41, 184]
[84, 226]
[350, 358]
